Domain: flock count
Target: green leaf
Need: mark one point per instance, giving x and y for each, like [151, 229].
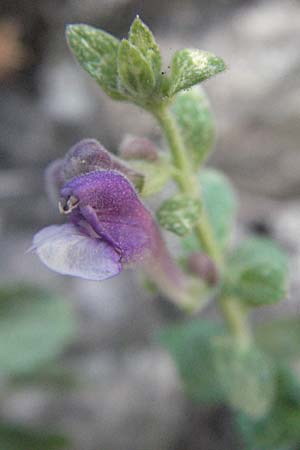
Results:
[219, 201]
[246, 376]
[135, 73]
[141, 37]
[288, 386]
[97, 52]
[195, 119]
[54, 376]
[191, 346]
[280, 430]
[277, 432]
[191, 66]
[17, 437]
[179, 214]
[156, 175]
[280, 338]
[34, 328]
[257, 272]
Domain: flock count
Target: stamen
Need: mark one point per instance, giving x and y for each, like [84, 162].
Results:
[67, 206]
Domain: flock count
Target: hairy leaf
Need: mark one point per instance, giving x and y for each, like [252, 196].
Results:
[195, 119]
[191, 346]
[191, 66]
[141, 37]
[97, 52]
[135, 73]
[280, 430]
[246, 376]
[257, 272]
[179, 214]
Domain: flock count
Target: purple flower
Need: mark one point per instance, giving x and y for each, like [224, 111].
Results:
[108, 226]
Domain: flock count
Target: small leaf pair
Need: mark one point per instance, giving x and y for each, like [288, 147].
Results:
[127, 69]
[131, 69]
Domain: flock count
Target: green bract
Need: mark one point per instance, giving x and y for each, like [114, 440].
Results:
[191, 66]
[191, 346]
[194, 117]
[97, 52]
[256, 272]
[246, 377]
[179, 214]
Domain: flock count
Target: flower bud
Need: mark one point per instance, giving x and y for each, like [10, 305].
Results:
[87, 156]
[134, 147]
[202, 265]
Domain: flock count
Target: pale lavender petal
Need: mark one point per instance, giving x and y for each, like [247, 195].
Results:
[64, 249]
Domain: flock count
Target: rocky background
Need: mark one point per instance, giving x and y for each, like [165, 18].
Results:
[131, 398]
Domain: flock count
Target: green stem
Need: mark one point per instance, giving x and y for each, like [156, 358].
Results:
[180, 161]
[233, 314]
[187, 180]
[236, 320]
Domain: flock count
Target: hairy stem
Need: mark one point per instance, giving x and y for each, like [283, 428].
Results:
[233, 315]
[187, 180]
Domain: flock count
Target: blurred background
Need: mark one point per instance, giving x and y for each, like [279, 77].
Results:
[106, 384]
